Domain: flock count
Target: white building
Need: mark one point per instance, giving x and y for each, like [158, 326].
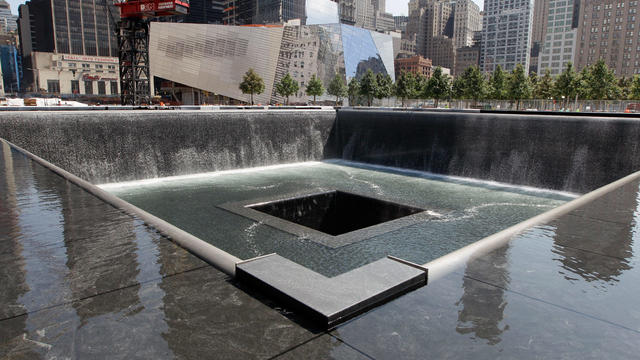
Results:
[558, 47]
[506, 34]
[467, 20]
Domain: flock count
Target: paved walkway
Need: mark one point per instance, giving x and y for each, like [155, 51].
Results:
[80, 279]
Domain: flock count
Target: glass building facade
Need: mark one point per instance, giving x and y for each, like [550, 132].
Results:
[214, 58]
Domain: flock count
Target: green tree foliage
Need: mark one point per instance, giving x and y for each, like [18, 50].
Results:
[457, 87]
[473, 85]
[385, 86]
[635, 88]
[439, 86]
[498, 84]
[602, 83]
[337, 88]
[583, 83]
[314, 87]
[544, 88]
[353, 91]
[624, 84]
[369, 86]
[406, 86]
[567, 84]
[252, 84]
[519, 87]
[287, 87]
[533, 80]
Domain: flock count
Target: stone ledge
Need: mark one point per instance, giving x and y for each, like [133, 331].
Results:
[330, 301]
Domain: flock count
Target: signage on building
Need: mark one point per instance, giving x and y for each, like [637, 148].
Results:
[90, 58]
[90, 77]
[165, 5]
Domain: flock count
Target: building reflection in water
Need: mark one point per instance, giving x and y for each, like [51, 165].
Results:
[614, 240]
[482, 305]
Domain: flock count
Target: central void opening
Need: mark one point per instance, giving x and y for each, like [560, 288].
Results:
[335, 212]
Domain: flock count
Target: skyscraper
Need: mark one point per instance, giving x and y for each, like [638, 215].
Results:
[608, 30]
[435, 33]
[559, 44]
[506, 38]
[467, 20]
[245, 12]
[540, 13]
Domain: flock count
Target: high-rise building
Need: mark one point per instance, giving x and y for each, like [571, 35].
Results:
[506, 38]
[8, 21]
[65, 43]
[608, 30]
[347, 11]
[559, 44]
[435, 33]
[400, 23]
[540, 13]
[245, 12]
[204, 12]
[467, 20]
[365, 13]
[384, 21]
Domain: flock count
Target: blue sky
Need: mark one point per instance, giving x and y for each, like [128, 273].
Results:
[396, 7]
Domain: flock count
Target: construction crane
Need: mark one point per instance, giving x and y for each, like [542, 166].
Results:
[133, 44]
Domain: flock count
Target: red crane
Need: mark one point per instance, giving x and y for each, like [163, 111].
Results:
[133, 43]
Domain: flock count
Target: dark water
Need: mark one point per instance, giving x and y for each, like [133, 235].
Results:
[466, 212]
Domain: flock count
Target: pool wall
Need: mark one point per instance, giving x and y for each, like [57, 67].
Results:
[115, 146]
[570, 153]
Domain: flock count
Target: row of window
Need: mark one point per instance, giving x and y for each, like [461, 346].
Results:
[53, 87]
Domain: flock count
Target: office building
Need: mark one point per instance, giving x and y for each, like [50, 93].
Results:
[609, 30]
[506, 34]
[540, 13]
[434, 39]
[560, 34]
[246, 12]
[467, 20]
[69, 47]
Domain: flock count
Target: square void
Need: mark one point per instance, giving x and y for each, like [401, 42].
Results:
[336, 212]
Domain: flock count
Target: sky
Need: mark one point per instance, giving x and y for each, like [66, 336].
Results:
[396, 7]
[399, 7]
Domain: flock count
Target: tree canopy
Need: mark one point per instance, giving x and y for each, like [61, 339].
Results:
[498, 84]
[287, 87]
[369, 86]
[406, 86]
[337, 88]
[439, 86]
[252, 84]
[314, 87]
[519, 87]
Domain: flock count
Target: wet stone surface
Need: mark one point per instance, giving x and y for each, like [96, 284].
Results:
[82, 280]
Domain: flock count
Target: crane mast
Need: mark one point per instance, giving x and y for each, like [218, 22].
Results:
[133, 44]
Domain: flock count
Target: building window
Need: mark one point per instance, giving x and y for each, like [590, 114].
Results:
[102, 88]
[88, 87]
[75, 87]
[114, 88]
[53, 86]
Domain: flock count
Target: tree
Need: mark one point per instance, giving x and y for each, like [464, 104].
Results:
[519, 87]
[369, 86]
[567, 84]
[498, 84]
[635, 88]
[545, 86]
[314, 88]
[337, 88]
[438, 86]
[533, 80]
[457, 87]
[385, 86]
[602, 83]
[624, 84]
[474, 84]
[252, 83]
[353, 91]
[406, 86]
[287, 87]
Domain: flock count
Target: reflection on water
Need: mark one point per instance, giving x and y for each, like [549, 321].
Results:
[614, 240]
[483, 306]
